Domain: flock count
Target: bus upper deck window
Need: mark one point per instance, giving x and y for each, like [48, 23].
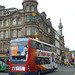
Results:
[33, 44]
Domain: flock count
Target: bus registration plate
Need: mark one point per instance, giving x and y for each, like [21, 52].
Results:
[21, 68]
[18, 74]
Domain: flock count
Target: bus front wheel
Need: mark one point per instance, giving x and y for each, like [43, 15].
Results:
[53, 67]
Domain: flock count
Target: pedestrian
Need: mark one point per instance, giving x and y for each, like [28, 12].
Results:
[60, 63]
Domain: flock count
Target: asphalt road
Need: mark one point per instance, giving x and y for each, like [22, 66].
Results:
[62, 70]
[4, 73]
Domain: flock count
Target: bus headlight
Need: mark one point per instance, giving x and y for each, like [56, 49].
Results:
[28, 66]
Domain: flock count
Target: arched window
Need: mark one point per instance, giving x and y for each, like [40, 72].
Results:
[1, 13]
[32, 8]
[6, 34]
[27, 8]
[5, 47]
[28, 18]
[19, 32]
[29, 31]
[1, 34]
[1, 47]
[14, 21]
[48, 30]
[19, 20]
[14, 33]
[33, 30]
[1, 23]
[6, 23]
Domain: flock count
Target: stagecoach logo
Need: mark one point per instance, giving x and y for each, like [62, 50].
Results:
[45, 54]
[40, 53]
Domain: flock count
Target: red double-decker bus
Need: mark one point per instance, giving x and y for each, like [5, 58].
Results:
[30, 56]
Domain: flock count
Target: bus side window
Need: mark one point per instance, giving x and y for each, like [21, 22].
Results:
[37, 45]
[40, 46]
[33, 44]
[46, 61]
[38, 60]
[42, 60]
[44, 47]
[47, 48]
[50, 48]
[49, 61]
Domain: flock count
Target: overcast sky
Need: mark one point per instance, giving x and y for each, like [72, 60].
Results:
[54, 9]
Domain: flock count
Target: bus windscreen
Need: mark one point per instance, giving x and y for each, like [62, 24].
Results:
[19, 50]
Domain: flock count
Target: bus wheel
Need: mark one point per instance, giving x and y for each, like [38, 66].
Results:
[39, 72]
[53, 67]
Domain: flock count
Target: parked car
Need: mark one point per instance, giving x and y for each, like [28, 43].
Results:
[3, 66]
[4, 63]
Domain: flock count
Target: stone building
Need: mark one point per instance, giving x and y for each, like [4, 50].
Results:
[57, 42]
[21, 23]
[67, 53]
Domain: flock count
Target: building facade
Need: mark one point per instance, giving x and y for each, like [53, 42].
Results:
[67, 53]
[21, 23]
[57, 42]
[26, 22]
